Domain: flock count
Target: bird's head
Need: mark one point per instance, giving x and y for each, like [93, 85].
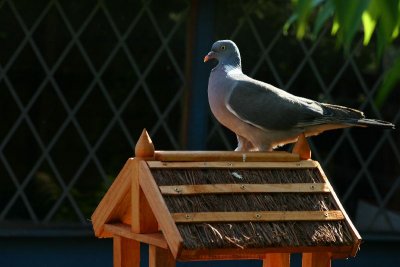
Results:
[226, 52]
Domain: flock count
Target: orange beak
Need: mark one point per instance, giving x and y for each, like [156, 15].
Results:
[209, 56]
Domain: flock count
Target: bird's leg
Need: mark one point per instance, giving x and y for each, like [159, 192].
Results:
[263, 148]
[240, 140]
[243, 144]
[302, 148]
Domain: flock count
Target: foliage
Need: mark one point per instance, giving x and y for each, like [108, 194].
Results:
[379, 17]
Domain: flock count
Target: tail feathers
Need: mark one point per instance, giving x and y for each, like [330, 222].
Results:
[353, 117]
[341, 112]
[375, 123]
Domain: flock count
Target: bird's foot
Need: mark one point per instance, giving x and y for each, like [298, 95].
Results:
[302, 148]
[244, 144]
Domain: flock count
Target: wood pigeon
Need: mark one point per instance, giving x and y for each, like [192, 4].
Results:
[263, 116]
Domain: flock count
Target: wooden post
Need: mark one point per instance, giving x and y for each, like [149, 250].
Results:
[143, 219]
[277, 260]
[302, 148]
[316, 260]
[126, 252]
[159, 257]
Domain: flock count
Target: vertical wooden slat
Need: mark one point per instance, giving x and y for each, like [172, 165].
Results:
[126, 252]
[159, 257]
[316, 260]
[277, 260]
[143, 219]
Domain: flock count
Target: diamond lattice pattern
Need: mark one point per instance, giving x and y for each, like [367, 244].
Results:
[78, 83]
[79, 80]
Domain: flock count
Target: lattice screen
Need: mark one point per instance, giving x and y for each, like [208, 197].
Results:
[80, 79]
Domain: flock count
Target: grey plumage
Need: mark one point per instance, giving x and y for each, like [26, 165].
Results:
[263, 116]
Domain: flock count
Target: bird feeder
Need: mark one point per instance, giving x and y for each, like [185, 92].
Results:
[199, 205]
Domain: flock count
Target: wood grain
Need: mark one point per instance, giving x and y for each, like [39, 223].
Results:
[259, 253]
[225, 156]
[262, 216]
[143, 220]
[306, 164]
[120, 229]
[160, 209]
[159, 257]
[316, 260]
[276, 260]
[243, 188]
[126, 252]
[115, 203]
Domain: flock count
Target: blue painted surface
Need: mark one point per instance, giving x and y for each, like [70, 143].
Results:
[68, 251]
[198, 108]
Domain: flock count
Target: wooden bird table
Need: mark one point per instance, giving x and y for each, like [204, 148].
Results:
[200, 205]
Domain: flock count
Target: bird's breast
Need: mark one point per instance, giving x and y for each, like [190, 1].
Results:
[218, 93]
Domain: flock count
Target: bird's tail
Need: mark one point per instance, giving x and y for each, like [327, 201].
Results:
[375, 123]
[353, 117]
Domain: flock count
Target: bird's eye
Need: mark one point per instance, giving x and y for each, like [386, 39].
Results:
[223, 47]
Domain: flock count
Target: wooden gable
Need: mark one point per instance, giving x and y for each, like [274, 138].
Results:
[225, 205]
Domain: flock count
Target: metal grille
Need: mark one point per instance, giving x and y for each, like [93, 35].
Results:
[74, 101]
[80, 79]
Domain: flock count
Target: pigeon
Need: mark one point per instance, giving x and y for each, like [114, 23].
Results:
[264, 117]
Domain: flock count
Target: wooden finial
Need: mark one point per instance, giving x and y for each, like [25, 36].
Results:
[144, 147]
[302, 148]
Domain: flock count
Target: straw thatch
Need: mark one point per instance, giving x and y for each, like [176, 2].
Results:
[261, 234]
[233, 176]
[252, 234]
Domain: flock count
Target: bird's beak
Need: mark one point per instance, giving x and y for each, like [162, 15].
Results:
[209, 56]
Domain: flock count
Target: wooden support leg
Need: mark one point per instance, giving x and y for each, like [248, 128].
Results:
[159, 257]
[316, 260]
[126, 252]
[277, 260]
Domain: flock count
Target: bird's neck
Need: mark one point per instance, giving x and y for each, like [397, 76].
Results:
[232, 69]
[231, 62]
[230, 65]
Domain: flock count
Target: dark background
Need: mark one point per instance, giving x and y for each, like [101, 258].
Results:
[79, 80]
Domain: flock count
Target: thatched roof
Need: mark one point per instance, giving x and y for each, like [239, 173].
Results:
[252, 234]
[235, 206]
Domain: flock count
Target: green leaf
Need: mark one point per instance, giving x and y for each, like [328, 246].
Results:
[395, 32]
[370, 18]
[389, 18]
[289, 23]
[349, 18]
[335, 26]
[303, 8]
[381, 41]
[392, 76]
[324, 13]
[388, 24]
